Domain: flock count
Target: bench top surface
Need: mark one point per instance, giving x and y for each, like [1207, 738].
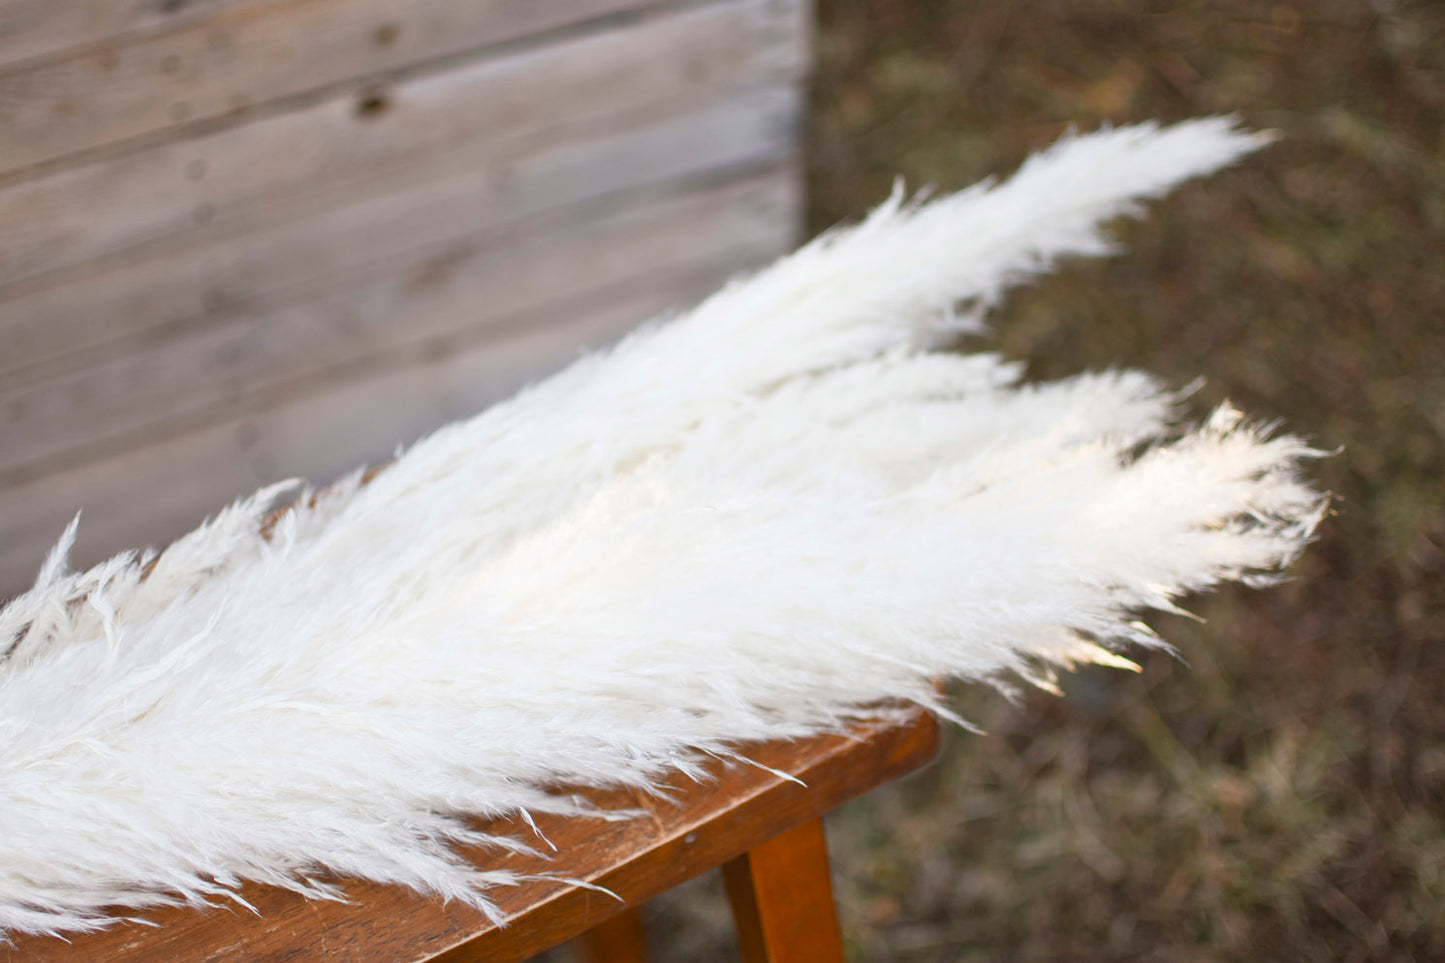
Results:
[694, 828]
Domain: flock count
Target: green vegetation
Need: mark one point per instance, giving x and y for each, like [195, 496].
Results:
[1279, 792]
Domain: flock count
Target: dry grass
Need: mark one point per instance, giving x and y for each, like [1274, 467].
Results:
[1280, 794]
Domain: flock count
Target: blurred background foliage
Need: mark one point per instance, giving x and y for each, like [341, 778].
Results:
[1278, 791]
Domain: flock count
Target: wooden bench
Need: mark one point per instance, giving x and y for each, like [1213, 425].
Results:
[764, 831]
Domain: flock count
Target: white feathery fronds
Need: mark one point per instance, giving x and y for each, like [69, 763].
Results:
[758, 519]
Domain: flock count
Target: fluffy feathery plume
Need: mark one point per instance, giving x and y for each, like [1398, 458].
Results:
[548, 593]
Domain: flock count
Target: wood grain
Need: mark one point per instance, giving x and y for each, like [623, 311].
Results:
[229, 213]
[156, 491]
[36, 28]
[238, 362]
[621, 939]
[782, 898]
[703, 826]
[487, 114]
[132, 305]
[244, 56]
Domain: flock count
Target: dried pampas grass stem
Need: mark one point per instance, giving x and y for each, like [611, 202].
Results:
[757, 519]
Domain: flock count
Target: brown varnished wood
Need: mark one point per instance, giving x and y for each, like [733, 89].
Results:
[621, 939]
[701, 826]
[782, 898]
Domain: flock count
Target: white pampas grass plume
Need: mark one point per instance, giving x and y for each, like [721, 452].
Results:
[758, 519]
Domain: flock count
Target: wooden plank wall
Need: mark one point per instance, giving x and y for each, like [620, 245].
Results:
[242, 240]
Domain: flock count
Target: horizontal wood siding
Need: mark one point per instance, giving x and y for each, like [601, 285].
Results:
[34, 28]
[242, 58]
[685, 246]
[346, 240]
[326, 291]
[492, 113]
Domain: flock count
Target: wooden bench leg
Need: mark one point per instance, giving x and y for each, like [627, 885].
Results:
[782, 898]
[619, 939]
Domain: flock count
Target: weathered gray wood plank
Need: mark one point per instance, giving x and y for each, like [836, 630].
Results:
[132, 307]
[154, 492]
[483, 278]
[487, 113]
[37, 28]
[244, 55]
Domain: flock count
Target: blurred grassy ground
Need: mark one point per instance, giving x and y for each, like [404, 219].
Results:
[1282, 795]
